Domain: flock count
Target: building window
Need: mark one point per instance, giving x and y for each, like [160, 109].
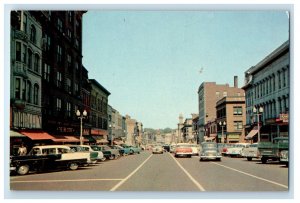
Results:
[68, 85]
[284, 78]
[59, 24]
[69, 59]
[58, 104]
[24, 53]
[237, 110]
[46, 72]
[29, 63]
[59, 54]
[18, 51]
[70, 16]
[76, 43]
[29, 89]
[238, 125]
[273, 83]
[36, 94]
[69, 34]
[279, 80]
[224, 94]
[18, 88]
[76, 88]
[46, 42]
[36, 63]
[58, 79]
[24, 90]
[24, 23]
[267, 86]
[33, 34]
[69, 109]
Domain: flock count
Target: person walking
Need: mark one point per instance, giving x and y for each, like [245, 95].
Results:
[22, 150]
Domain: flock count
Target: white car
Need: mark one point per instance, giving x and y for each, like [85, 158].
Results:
[236, 149]
[250, 152]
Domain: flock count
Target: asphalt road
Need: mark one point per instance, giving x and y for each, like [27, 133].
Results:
[161, 172]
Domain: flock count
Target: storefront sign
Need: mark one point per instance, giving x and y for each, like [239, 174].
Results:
[284, 118]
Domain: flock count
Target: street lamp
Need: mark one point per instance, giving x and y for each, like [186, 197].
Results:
[222, 126]
[258, 113]
[112, 135]
[81, 116]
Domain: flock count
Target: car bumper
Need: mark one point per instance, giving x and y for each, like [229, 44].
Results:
[211, 157]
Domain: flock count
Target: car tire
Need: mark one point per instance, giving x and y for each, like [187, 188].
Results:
[73, 166]
[103, 159]
[200, 159]
[218, 159]
[111, 157]
[131, 152]
[249, 158]
[263, 160]
[23, 170]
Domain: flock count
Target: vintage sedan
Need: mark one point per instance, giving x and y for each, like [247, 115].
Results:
[122, 151]
[132, 149]
[95, 155]
[48, 157]
[183, 150]
[209, 151]
[158, 149]
[108, 152]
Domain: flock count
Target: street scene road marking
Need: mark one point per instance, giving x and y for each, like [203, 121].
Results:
[73, 180]
[189, 175]
[131, 174]
[248, 174]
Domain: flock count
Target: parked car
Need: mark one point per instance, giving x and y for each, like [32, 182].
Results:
[195, 149]
[172, 148]
[250, 152]
[158, 149]
[272, 150]
[284, 157]
[209, 151]
[166, 148]
[122, 151]
[183, 150]
[108, 152]
[95, 155]
[236, 149]
[223, 148]
[132, 149]
[48, 157]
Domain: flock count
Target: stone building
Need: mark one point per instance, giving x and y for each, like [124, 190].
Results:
[267, 87]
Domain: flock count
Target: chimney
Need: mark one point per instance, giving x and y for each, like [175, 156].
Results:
[236, 81]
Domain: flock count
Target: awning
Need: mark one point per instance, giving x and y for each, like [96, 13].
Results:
[61, 138]
[37, 134]
[89, 139]
[102, 141]
[16, 134]
[253, 132]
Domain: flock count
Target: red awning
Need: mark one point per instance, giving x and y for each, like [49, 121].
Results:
[252, 133]
[66, 139]
[37, 134]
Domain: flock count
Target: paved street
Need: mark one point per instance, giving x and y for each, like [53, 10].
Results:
[162, 172]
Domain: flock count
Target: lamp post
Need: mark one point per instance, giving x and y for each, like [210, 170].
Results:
[258, 113]
[222, 126]
[112, 135]
[81, 116]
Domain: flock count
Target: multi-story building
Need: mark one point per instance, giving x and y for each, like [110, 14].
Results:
[231, 110]
[179, 128]
[187, 131]
[64, 85]
[267, 89]
[208, 94]
[99, 114]
[26, 73]
[131, 130]
[195, 130]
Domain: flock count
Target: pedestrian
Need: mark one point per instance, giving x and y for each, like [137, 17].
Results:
[22, 150]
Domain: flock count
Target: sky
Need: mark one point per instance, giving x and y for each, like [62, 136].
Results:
[153, 62]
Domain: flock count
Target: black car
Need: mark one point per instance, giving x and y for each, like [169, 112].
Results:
[166, 148]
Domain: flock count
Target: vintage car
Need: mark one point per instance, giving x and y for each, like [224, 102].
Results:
[183, 150]
[48, 157]
[271, 150]
[196, 149]
[172, 148]
[132, 149]
[158, 149]
[95, 156]
[166, 147]
[236, 149]
[108, 152]
[122, 151]
[250, 152]
[284, 157]
[209, 151]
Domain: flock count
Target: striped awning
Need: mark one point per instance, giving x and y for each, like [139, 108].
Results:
[16, 134]
[61, 138]
[37, 134]
[252, 133]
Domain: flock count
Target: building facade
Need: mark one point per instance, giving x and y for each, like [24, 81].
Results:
[231, 110]
[267, 87]
[99, 112]
[208, 94]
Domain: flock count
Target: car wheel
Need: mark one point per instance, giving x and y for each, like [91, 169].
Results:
[23, 170]
[131, 152]
[218, 159]
[263, 160]
[73, 166]
[103, 159]
[249, 158]
[176, 155]
[200, 159]
[111, 157]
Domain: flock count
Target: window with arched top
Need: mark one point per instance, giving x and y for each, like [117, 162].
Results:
[36, 94]
[29, 63]
[36, 63]
[33, 34]
[29, 92]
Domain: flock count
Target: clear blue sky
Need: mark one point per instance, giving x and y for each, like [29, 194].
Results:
[150, 61]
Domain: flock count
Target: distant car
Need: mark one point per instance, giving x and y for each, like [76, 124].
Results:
[95, 155]
[236, 149]
[250, 152]
[166, 147]
[284, 157]
[157, 150]
[123, 151]
[195, 149]
[132, 149]
[108, 152]
[183, 150]
[209, 151]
